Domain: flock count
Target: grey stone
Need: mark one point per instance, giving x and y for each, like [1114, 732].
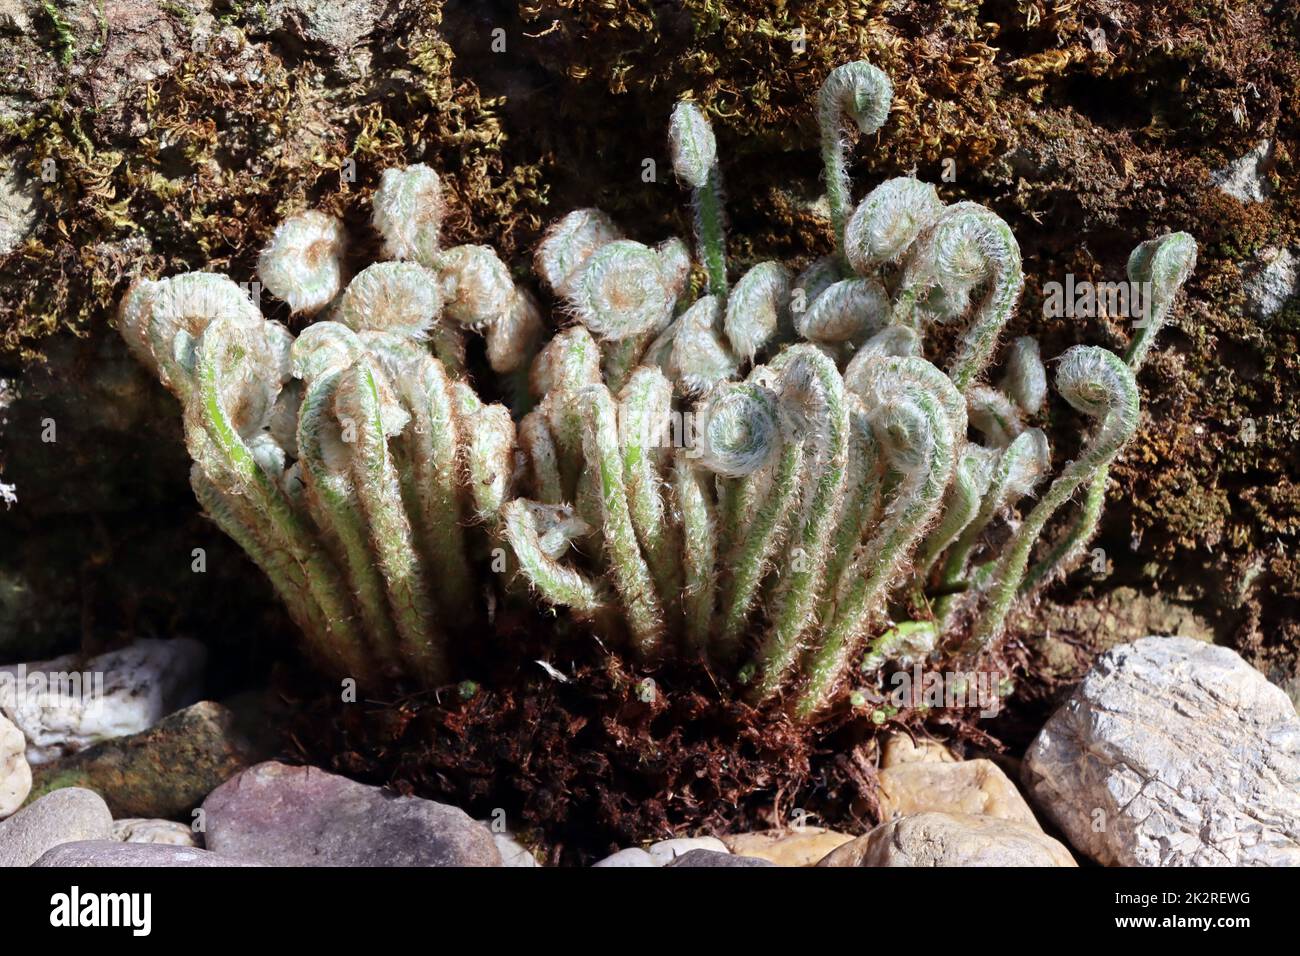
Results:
[15, 16]
[714, 858]
[62, 817]
[1172, 752]
[951, 839]
[302, 816]
[110, 853]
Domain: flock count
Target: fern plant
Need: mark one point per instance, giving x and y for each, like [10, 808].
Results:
[777, 476]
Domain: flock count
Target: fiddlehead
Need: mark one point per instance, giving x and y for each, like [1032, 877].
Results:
[755, 306]
[695, 160]
[888, 221]
[621, 291]
[407, 211]
[813, 396]
[303, 262]
[863, 93]
[912, 418]
[1162, 265]
[1099, 384]
[968, 247]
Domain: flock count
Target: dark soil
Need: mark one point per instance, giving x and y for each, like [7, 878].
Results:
[588, 763]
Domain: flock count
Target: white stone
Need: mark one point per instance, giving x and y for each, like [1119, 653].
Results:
[665, 851]
[632, 856]
[67, 704]
[513, 853]
[1276, 281]
[1247, 178]
[1172, 752]
[17, 207]
[14, 16]
[162, 832]
[15, 774]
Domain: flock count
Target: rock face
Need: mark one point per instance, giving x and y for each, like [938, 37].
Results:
[158, 832]
[301, 816]
[1246, 178]
[15, 774]
[802, 847]
[93, 853]
[62, 817]
[333, 30]
[17, 208]
[1275, 282]
[66, 704]
[1172, 753]
[970, 787]
[166, 771]
[951, 839]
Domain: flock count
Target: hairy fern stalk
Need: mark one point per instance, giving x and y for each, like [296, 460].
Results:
[777, 476]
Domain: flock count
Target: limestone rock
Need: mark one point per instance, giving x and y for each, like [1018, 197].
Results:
[15, 774]
[632, 856]
[1172, 753]
[66, 704]
[1274, 283]
[976, 787]
[951, 839]
[18, 207]
[333, 30]
[715, 858]
[1247, 178]
[514, 853]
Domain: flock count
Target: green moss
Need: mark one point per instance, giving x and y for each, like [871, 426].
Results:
[65, 42]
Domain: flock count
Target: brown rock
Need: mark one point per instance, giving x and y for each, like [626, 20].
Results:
[900, 749]
[802, 847]
[951, 839]
[972, 787]
[166, 771]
